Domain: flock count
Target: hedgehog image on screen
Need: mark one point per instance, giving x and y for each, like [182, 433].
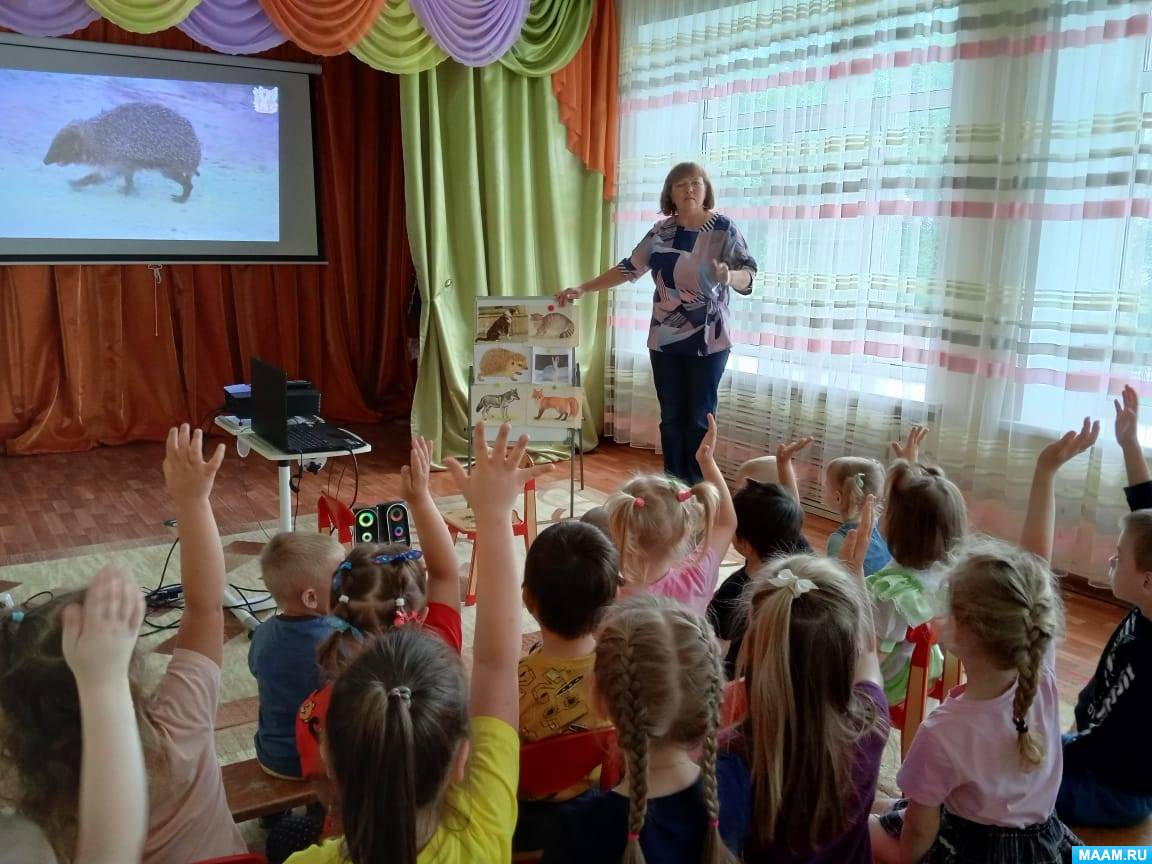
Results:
[137, 136]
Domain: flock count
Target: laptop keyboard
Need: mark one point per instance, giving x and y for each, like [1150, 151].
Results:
[304, 439]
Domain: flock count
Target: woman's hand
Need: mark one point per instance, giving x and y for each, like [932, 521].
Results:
[721, 272]
[569, 295]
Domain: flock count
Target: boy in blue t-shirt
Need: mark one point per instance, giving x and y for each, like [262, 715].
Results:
[297, 570]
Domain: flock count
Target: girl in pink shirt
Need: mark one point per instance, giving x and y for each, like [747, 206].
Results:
[982, 775]
[672, 538]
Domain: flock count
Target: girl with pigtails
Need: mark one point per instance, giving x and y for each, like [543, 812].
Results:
[658, 677]
[672, 538]
[981, 778]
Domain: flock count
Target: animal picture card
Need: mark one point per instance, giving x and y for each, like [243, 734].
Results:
[501, 319]
[552, 366]
[555, 407]
[551, 325]
[496, 404]
[506, 361]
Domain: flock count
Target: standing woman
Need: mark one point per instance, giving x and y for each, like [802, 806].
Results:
[695, 256]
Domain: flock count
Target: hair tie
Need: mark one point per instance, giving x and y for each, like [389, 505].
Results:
[406, 555]
[342, 626]
[683, 495]
[638, 502]
[344, 598]
[1021, 726]
[858, 482]
[633, 836]
[787, 579]
[713, 823]
[338, 580]
[400, 617]
[17, 615]
[404, 694]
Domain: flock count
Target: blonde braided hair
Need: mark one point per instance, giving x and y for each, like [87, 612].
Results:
[1005, 599]
[654, 658]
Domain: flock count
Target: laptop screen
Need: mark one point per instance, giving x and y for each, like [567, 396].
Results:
[270, 403]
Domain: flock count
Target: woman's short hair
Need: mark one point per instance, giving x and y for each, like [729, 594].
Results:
[678, 173]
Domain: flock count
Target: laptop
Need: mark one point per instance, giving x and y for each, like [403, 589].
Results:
[270, 416]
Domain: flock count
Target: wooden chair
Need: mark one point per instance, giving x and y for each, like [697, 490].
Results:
[334, 513]
[909, 714]
[554, 764]
[252, 792]
[463, 521]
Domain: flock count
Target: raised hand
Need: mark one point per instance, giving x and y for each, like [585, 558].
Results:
[100, 635]
[706, 452]
[910, 449]
[855, 547]
[1127, 418]
[1068, 446]
[496, 478]
[569, 295]
[414, 475]
[186, 473]
[785, 451]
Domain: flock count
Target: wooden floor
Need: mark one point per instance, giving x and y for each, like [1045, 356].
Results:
[113, 497]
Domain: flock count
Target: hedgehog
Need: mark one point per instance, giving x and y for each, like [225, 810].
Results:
[137, 136]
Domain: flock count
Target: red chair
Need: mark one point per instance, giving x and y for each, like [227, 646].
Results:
[464, 522]
[735, 704]
[909, 714]
[334, 513]
[246, 858]
[554, 764]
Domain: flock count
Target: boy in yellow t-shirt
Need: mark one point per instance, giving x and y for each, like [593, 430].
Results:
[570, 576]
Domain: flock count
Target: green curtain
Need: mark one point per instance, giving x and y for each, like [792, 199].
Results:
[496, 206]
[398, 42]
[144, 16]
[553, 32]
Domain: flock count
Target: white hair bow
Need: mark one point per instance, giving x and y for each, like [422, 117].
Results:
[787, 579]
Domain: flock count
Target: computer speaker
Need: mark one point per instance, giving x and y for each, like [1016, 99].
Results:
[384, 523]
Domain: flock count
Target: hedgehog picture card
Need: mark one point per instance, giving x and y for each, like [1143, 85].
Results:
[554, 407]
[502, 361]
[497, 403]
[501, 319]
[551, 325]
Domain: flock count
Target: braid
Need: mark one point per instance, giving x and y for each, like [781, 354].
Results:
[715, 852]
[1028, 662]
[633, 731]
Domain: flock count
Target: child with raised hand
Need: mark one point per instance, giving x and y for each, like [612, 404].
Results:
[924, 518]
[981, 778]
[297, 569]
[380, 587]
[427, 771]
[189, 818]
[671, 538]
[658, 677]
[1108, 755]
[769, 523]
[848, 480]
[98, 640]
[817, 719]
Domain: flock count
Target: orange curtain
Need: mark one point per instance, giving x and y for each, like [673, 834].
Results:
[95, 355]
[324, 26]
[588, 92]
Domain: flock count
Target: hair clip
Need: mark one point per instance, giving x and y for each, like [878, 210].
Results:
[787, 579]
[858, 481]
[400, 618]
[342, 626]
[683, 495]
[404, 694]
[17, 615]
[343, 598]
[1021, 726]
[638, 502]
[406, 555]
[338, 580]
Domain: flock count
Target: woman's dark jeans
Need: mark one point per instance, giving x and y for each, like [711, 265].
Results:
[686, 386]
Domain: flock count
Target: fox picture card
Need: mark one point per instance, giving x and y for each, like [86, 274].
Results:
[502, 361]
[552, 406]
[501, 319]
[498, 403]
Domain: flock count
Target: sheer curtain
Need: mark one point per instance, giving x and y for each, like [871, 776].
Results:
[950, 206]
